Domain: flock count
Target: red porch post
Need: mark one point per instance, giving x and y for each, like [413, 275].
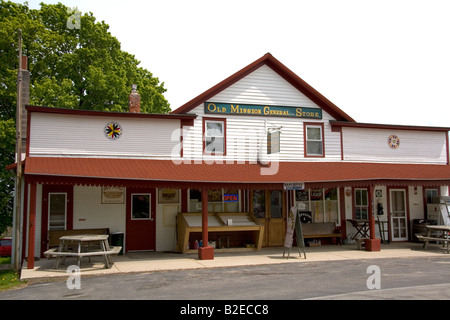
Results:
[372, 244]
[32, 226]
[205, 252]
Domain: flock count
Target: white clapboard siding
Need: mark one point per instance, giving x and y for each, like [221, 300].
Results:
[247, 134]
[78, 135]
[364, 144]
[90, 213]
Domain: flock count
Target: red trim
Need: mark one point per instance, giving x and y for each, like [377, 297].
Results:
[31, 108]
[336, 124]
[224, 120]
[317, 124]
[50, 188]
[184, 200]
[32, 227]
[284, 72]
[25, 216]
[342, 211]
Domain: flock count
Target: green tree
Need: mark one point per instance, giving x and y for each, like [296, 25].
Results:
[74, 62]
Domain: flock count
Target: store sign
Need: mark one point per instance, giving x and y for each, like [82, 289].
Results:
[230, 198]
[294, 186]
[261, 110]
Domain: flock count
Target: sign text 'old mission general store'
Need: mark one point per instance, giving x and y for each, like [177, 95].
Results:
[262, 110]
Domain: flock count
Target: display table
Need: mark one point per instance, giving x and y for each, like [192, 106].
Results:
[244, 230]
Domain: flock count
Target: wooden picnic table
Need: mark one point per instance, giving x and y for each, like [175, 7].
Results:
[84, 245]
[443, 235]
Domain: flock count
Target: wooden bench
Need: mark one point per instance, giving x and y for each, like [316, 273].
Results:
[426, 239]
[54, 235]
[321, 230]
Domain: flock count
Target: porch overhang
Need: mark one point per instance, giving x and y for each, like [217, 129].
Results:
[168, 173]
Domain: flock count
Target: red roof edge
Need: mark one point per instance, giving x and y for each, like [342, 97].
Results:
[387, 126]
[284, 72]
[43, 109]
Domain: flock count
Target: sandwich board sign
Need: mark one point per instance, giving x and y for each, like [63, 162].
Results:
[294, 226]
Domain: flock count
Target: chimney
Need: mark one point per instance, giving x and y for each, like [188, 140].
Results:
[134, 100]
[25, 99]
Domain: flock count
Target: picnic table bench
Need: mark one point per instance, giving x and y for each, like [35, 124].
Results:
[97, 245]
[444, 237]
[54, 235]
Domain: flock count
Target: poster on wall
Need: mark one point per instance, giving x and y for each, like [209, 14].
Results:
[113, 195]
[168, 196]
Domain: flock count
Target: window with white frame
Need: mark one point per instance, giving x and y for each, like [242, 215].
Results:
[361, 204]
[214, 133]
[314, 141]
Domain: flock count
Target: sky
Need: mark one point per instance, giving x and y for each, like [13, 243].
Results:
[379, 61]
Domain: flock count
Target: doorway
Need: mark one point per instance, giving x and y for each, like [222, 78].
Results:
[268, 207]
[398, 214]
[141, 224]
[57, 211]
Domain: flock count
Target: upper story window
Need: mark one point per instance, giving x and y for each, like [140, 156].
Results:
[314, 142]
[214, 133]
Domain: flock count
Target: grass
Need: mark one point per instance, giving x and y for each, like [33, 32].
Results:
[8, 278]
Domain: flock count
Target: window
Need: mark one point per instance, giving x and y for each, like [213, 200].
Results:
[219, 200]
[57, 211]
[430, 194]
[361, 204]
[140, 209]
[214, 136]
[318, 205]
[314, 146]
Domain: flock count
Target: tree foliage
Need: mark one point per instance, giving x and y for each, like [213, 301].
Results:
[77, 66]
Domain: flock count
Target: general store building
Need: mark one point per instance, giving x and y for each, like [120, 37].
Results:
[224, 168]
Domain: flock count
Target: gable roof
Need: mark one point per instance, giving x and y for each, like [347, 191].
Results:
[284, 72]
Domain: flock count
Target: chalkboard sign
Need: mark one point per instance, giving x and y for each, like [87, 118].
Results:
[294, 226]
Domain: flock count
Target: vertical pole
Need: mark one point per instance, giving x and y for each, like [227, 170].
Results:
[372, 244]
[18, 188]
[32, 226]
[205, 252]
[204, 218]
[371, 215]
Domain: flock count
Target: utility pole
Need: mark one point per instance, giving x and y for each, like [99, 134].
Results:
[18, 189]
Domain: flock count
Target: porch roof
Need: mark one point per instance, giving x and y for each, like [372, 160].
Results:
[107, 171]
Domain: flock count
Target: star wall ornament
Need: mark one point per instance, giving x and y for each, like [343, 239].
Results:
[113, 130]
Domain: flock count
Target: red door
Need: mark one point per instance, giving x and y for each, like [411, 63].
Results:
[141, 224]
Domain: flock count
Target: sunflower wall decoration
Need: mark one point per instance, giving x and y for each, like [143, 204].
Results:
[113, 130]
[394, 142]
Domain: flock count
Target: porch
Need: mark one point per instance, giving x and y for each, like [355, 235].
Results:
[165, 261]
